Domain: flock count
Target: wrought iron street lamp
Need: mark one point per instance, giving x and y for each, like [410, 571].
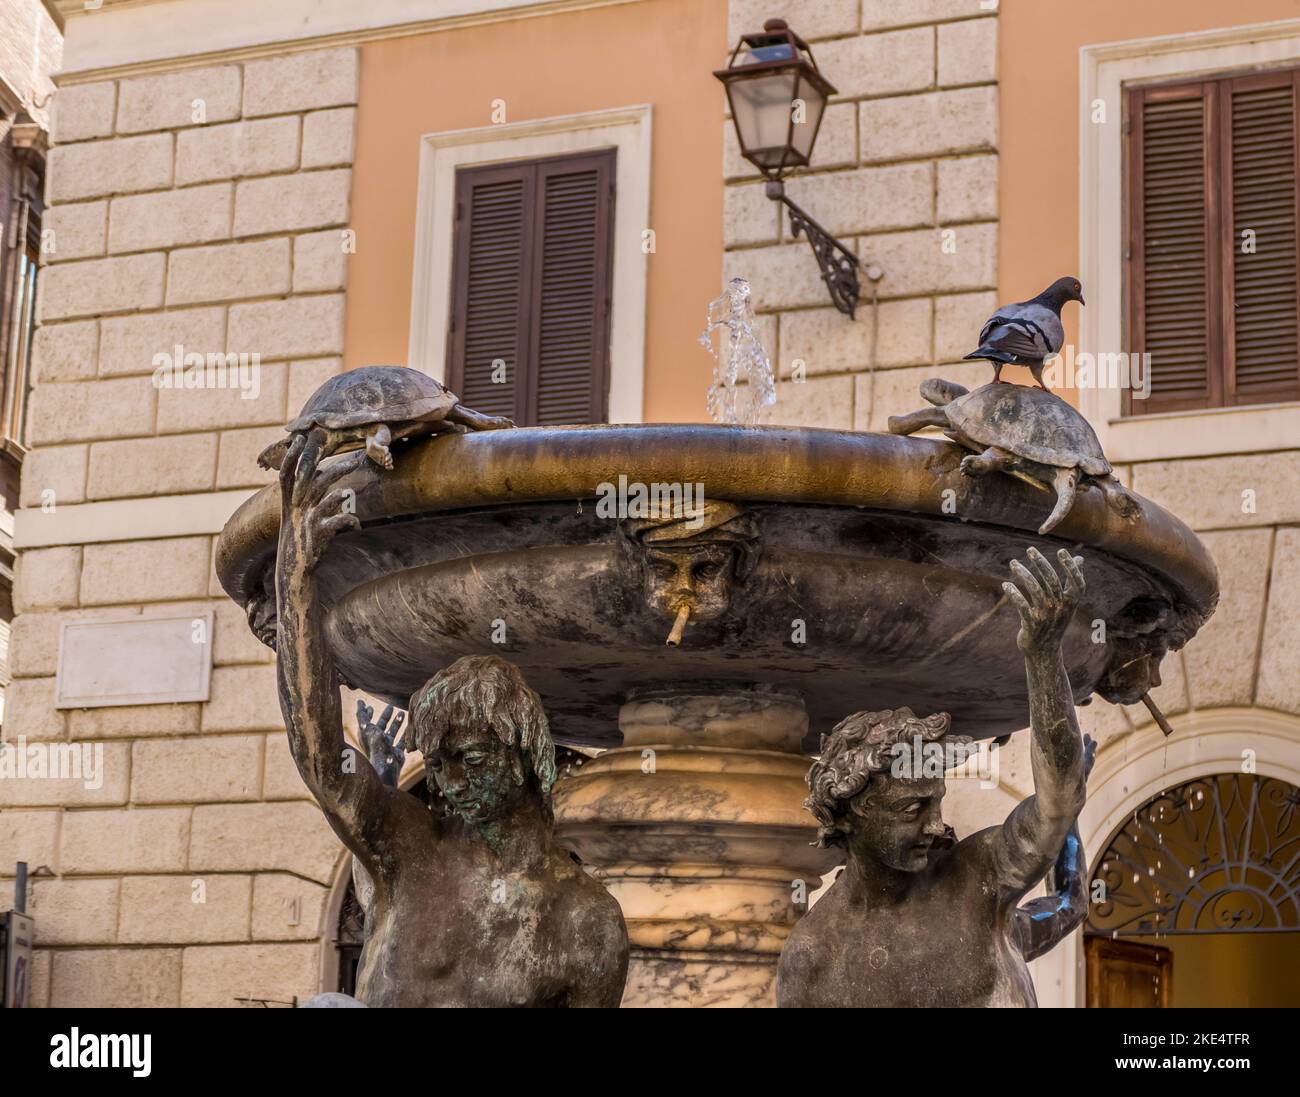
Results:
[778, 96]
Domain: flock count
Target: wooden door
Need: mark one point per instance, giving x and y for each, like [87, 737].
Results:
[1127, 974]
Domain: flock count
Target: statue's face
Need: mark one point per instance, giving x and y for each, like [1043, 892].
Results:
[260, 608]
[476, 771]
[262, 619]
[896, 821]
[1138, 675]
[695, 575]
[1133, 672]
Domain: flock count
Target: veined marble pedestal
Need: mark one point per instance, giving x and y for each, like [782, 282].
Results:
[696, 824]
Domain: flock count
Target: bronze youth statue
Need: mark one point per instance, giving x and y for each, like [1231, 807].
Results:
[480, 907]
[904, 925]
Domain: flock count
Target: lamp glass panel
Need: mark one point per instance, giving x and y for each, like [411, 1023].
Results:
[761, 106]
[802, 133]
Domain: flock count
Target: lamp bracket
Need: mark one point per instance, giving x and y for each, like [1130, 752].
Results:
[838, 265]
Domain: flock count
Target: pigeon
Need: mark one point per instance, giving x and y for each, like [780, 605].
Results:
[1026, 333]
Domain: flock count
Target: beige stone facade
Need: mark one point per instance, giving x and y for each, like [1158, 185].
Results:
[204, 208]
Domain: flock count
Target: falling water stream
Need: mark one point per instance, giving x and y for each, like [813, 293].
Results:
[743, 379]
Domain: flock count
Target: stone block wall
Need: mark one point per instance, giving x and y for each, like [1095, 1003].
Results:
[204, 207]
[905, 173]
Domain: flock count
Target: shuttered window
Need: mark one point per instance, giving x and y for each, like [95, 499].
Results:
[1212, 260]
[529, 333]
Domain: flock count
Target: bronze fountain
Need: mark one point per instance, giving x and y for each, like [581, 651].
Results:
[820, 573]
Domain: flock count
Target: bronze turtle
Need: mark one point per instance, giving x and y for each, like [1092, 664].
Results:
[374, 406]
[1026, 432]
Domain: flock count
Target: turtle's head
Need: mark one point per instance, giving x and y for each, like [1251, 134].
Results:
[940, 392]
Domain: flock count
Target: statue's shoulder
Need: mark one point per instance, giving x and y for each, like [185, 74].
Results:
[976, 848]
[971, 864]
[805, 958]
[412, 823]
[816, 931]
[588, 903]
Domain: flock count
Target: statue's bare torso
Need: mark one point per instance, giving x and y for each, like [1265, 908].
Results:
[934, 949]
[450, 928]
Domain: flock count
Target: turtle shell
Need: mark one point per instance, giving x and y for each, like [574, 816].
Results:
[1031, 423]
[374, 394]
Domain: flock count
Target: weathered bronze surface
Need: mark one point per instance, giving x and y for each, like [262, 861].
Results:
[373, 407]
[903, 925]
[1027, 432]
[478, 907]
[693, 561]
[1043, 923]
[900, 599]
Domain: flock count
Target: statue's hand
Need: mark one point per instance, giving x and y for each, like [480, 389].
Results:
[380, 741]
[381, 737]
[311, 515]
[1044, 603]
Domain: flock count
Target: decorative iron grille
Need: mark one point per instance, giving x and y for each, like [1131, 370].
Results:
[1219, 854]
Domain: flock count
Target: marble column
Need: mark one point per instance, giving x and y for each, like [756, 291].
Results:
[696, 825]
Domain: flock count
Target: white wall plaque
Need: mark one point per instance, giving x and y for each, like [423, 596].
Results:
[134, 660]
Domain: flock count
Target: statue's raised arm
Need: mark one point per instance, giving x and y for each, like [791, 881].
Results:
[1041, 924]
[354, 800]
[1029, 841]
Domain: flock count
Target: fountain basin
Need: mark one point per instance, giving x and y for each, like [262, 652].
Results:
[876, 582]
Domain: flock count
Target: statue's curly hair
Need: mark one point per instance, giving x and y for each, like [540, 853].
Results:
[858, 746]
[485, 689]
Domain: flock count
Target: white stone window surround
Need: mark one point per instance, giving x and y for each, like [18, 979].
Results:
[1143, 765]
[625, 129]
[1104, 70]
[123, 34]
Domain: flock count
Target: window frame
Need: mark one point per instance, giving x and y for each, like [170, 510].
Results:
[1104, 70]
[628, 129]
[1215, 92]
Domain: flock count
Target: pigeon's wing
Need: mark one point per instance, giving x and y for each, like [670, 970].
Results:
[1048, 322]
[1027, 331]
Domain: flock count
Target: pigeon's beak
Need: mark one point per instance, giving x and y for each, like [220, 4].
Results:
[1081, 300]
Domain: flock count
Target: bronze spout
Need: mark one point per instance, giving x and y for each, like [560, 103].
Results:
[679, 625]
[1157, 715]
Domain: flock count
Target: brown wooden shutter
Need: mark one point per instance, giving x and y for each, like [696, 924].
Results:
[532, 283]
[490, 300]
[1209, 162]
[1263, 348]
[1174, 276]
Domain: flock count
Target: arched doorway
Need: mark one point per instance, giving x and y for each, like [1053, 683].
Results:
[1196, 898]
[1134, 768]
